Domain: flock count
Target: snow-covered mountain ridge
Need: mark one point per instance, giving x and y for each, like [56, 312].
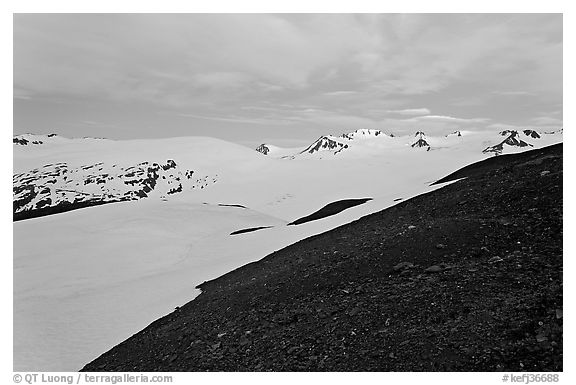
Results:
[62, 187]
[84, 172]
[370, 140]
[35, 139]
[54, 174]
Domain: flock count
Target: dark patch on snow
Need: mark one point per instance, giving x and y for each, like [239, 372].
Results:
[20, 141]
[61, 208]
[361, 133]
[24, 142]
[249, 230]
[175, 190]
[263, 149]
[232, 205]
[421, 142]
[44, 202]
[27, 197]
[330, 209]
[169, 164]
[532, 134]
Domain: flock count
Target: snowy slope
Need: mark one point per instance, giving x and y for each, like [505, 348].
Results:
[68, 173]
[87, 279]
[112, 270]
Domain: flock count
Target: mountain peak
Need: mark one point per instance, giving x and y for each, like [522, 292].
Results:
[421, 142]
[512, 139]
[325, 143]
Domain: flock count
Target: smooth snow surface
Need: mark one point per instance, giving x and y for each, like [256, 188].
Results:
[87, 279]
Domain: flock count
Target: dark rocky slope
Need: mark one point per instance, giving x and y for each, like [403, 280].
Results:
[465, 278]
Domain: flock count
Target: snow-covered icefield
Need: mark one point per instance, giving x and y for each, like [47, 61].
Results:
[87, 279]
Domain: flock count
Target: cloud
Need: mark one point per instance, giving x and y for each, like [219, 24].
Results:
[94, 123]
[220, 79]
[513, 93]
[235, 119]
[411, 111]
[442, 118]
[340, 93]
[508, 126]
[261, 68]
[546, 121]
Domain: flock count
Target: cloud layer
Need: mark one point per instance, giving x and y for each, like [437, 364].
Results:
[292, 74]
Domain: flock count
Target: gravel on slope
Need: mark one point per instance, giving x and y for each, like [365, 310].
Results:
[465, 278]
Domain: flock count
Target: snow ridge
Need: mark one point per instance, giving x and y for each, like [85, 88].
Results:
[456, 133]
[363, 133]
[61, 186]
[513, 139]
[325, 143]
[371, 141]
[35, 139]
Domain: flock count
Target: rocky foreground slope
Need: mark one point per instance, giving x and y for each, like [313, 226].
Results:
[466, 278]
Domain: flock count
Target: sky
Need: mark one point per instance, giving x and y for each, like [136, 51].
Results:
[284, 79]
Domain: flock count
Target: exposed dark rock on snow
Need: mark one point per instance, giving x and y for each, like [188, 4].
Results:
[263, 149]
[531, 133]
[249, 230]
[225, 205]
[363, 133]
[34, 139]
[343, 301]
[58, 187]
[24, 142]
[421, 142]
[512, 139]
[330, 209]
[325, 143]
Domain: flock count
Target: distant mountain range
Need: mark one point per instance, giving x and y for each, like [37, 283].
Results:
[356, 140]
[71, 181]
